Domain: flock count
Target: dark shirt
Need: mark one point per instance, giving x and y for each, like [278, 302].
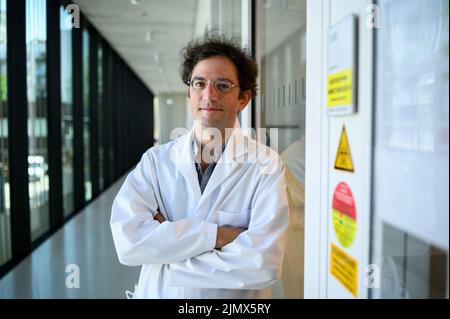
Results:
[203, 178]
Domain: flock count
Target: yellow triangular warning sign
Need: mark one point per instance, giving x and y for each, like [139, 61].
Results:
[343, 157]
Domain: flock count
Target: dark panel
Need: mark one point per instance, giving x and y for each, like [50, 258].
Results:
[78, 156]
[106, 113]
[93, 112]
[111, 108]
[116, 118]
[17, 124]
[119, 119]
[54, 115]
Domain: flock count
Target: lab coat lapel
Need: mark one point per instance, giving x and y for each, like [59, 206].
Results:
[228, 162]
[184, 160]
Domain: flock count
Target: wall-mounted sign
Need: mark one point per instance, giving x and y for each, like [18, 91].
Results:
[344, 268]
[342, 68]
[344, 156]
[344, 214]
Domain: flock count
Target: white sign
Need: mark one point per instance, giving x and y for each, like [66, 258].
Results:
[342, 71]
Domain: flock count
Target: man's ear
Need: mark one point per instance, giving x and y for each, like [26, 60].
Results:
[245, 97]
[188, 93]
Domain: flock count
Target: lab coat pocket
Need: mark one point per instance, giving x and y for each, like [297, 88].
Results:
[224, 218]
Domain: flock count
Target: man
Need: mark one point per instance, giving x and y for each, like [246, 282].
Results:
[206, 214]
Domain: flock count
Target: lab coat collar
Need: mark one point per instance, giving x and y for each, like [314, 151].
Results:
[183, 156]
[237, 147]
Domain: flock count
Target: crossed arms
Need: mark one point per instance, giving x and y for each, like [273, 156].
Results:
[225, 235]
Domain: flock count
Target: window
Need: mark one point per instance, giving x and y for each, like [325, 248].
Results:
[86, 133]
[5, 228]
[410, 225]
[66, 114]
[36, 38]
[101, 155]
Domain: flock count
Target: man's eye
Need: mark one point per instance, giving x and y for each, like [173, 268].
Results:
[223, 85]
[199, 84]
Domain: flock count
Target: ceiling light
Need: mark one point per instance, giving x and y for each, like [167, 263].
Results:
[134, 2]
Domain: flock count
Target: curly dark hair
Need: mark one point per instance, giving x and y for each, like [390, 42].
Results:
[219, 45]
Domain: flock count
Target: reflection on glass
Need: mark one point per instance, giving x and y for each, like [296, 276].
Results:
[66, 114]
[411, 179]
[5, 226]
[86, 135]
[282, 33]
[226, 17]
[409, 267]
[36, 37]
[100, 117]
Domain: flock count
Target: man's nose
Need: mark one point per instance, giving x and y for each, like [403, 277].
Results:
[210, 92]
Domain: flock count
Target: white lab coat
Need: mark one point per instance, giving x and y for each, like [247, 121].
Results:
[178, 257]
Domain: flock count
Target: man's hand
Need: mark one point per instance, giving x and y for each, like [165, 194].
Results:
[226, 235]
[159, 217]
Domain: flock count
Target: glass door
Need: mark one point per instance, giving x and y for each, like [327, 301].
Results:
[411, 151]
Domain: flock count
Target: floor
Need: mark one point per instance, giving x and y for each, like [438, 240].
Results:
[82, 247]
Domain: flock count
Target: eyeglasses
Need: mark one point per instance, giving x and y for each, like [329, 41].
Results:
[221, 85]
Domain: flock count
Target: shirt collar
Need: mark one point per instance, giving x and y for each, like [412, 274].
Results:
[195, 150]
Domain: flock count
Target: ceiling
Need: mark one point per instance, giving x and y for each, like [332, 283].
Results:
[148, 35]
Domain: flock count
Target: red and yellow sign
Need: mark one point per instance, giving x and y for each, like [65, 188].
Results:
[344, 268]
[344, 214]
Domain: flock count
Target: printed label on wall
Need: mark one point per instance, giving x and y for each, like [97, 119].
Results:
[340, 90]
[344, 268]
[344, 214]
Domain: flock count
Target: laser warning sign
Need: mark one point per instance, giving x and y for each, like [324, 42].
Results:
[344, 157]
